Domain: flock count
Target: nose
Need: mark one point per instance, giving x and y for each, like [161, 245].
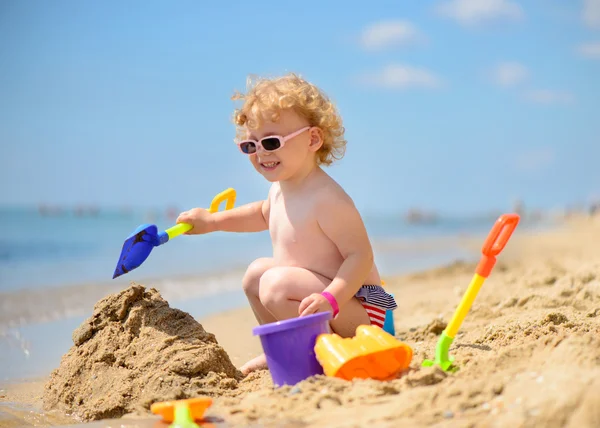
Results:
[263, 152]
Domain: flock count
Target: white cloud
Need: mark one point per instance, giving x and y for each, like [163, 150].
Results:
[589, 50]
[547, 96]
[385, 34]
[509, 74]
[470, 12]
[399, 76]
[535, 160]
[591, 13]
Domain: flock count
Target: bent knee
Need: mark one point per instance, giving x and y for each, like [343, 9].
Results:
[254, 272]
[273, 287]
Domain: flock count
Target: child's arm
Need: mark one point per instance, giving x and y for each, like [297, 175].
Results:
[252, 217]
[341, 222]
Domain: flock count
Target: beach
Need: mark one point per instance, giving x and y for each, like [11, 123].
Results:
[156, 161]
[528, 352]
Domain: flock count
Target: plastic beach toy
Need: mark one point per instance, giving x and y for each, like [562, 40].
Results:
[183, 417]
[372, 353]
[493, 245]
[138, 246]
[181, 410]
[388, 323]
[289, 347]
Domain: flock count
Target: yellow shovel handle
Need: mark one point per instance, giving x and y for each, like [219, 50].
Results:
[228, 194]
[465, 305]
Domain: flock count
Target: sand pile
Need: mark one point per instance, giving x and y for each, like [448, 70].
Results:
[135, 350]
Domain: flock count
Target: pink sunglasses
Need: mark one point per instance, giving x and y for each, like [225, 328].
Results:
[270, 143]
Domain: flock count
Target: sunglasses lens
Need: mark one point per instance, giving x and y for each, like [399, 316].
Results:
[248, 147]
[270, 144]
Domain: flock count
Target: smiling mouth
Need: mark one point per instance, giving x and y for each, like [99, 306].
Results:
[269, 166]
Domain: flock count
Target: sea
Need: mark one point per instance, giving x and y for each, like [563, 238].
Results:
[50, 253]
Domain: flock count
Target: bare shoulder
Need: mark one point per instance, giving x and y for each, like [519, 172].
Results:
[332, 196]
[337, 215]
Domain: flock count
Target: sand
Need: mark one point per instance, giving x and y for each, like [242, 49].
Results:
[135, 350]
[528, 353]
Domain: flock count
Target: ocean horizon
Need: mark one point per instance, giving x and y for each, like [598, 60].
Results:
[58, 249]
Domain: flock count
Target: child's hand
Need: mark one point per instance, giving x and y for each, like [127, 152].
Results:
[200, 219]
[313, 304]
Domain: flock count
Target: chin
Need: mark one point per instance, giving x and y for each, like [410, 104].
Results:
[272, 178]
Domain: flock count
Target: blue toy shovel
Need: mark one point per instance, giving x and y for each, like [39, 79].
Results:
[139, 244]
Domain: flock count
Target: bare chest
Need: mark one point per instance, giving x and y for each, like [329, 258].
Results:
[294, 230]
[290, 222]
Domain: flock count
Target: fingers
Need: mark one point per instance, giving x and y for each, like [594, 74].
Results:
[303, 305]
[184, 217]
[310, 309]
[307, 311]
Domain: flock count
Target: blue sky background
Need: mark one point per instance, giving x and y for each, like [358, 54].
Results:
[459, 106]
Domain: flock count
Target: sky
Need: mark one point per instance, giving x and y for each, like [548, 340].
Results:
[459, 106]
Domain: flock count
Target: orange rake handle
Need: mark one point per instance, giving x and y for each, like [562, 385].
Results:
[495, 242]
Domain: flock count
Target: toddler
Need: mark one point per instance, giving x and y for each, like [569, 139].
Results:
[322, 258]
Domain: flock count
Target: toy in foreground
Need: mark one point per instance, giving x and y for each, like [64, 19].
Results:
[301, 347]
[289, 346]
[138, 246]
[182, 413]
[493, 245]
[372, 354]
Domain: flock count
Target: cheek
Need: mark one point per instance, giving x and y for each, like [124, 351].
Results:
[254, 161]
[292, 154]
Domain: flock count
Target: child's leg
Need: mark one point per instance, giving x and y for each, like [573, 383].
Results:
[281, 290]
[251, 283]
[275, 294]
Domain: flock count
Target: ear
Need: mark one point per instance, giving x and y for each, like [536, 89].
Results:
[316, 138]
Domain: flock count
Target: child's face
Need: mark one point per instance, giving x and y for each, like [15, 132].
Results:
[298, 142]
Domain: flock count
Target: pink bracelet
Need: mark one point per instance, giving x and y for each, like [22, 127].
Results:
[332, 301]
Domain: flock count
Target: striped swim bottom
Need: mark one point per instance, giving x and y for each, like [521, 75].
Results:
[376, 302]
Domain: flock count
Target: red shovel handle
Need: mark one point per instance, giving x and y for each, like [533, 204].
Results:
[496, 241]
[500, 234]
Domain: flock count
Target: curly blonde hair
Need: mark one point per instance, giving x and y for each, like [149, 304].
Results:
[266, 97]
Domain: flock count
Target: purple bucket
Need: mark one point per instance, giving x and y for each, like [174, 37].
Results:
[289, 346]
